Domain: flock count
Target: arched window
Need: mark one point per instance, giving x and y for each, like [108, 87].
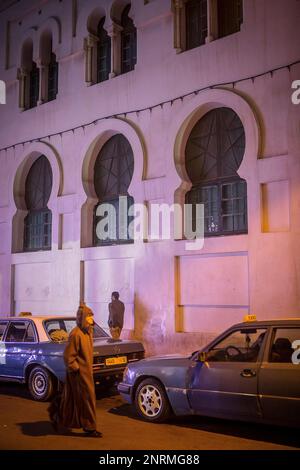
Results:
[213, 154]
[196, 23]
[52, 77]
[38, 222]
[230, 17]
[112, 176]
[128, 42]
[103, 53]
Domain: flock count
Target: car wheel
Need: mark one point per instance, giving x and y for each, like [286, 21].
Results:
[40, 384]
[151, 401]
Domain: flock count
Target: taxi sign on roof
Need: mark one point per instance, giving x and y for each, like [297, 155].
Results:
[250, 318]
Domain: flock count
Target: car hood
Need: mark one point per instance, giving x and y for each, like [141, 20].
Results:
[104, 346]
[171, 360]
[167, 357]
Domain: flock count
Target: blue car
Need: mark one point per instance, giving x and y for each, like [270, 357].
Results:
[251, 372]
[32, 347]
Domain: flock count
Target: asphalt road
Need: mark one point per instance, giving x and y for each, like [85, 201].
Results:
[24, 424]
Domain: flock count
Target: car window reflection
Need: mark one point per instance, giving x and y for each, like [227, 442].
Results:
[20, 332]
[281, 347]
[59, 330]
[2, 330]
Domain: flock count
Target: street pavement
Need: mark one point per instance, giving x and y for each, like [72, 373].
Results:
[24, 424]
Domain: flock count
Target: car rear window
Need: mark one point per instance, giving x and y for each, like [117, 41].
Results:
[284, 345]
[2, 329]
[20, 332]
[59, 329]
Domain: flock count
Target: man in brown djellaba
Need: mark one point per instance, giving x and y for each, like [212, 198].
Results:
[76, 407]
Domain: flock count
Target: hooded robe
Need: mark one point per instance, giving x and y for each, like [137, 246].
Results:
[77, 407]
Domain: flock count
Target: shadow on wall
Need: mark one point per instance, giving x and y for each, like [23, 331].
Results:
[150, 329]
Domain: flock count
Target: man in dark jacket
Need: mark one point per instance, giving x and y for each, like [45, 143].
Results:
[76, 408]
[116, 315]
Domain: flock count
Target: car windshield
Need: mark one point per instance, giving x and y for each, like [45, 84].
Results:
[59, 329]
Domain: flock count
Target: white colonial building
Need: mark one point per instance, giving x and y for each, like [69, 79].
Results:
[158, 101]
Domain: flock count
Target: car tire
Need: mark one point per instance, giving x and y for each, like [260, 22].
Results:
[151, 401]
[40, 384]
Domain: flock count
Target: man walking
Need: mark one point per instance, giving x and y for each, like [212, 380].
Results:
[76, 408]
[116, 315]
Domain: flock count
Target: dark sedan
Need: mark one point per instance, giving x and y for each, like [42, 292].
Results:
[251, 372]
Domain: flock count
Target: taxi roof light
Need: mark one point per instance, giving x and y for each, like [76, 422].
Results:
[248, 318]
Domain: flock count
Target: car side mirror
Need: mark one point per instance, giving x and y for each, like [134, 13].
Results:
[202, 356]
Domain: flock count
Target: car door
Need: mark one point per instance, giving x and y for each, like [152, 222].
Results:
[3, 325]
[19, 344]
[226, 384]
[279, 377]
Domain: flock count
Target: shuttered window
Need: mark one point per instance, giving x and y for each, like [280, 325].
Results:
[128, 42]
[196, 23]
[103, 53]
[38, 222]
[230, 17]
[34, 83]
[52, 78]
[112, 176]
[214, 152]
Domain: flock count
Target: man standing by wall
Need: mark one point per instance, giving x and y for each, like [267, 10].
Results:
[116, 315]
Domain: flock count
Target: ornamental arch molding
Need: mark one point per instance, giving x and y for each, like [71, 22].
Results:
[186, 118]
[27, 159]
[93, 143]
[50, 27]
[29, 35]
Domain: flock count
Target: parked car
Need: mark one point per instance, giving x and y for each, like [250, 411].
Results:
[250, 372]
[31, 352]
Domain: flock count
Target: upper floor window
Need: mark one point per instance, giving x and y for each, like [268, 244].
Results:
[213, 154]
[103, 53]
[230, 17]
[38, 222]
[29, 78]
[52, 78]
[38, 81]
[49, 68]
[34, 81]
[112, 176]
[128, 42]
[196, 23]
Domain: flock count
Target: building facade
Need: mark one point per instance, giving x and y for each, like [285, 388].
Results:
[160, 102]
